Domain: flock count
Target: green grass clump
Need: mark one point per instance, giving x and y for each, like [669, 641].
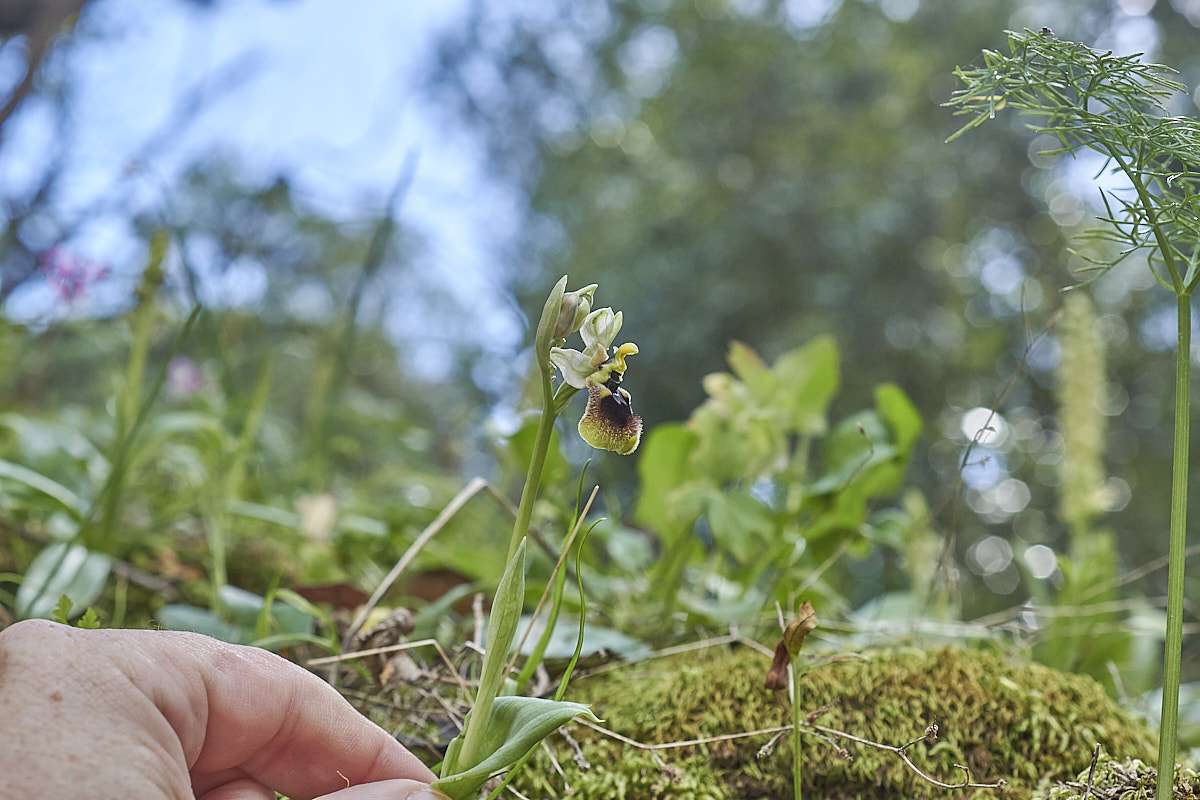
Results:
[1125, 779]
[1013, 720]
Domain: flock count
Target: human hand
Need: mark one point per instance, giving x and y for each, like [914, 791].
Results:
[160, 715]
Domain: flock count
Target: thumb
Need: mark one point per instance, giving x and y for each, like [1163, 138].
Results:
[387, 790]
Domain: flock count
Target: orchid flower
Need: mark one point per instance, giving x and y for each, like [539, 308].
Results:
[608, 421]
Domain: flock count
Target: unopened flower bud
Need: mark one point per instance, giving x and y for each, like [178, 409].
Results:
[575, 307]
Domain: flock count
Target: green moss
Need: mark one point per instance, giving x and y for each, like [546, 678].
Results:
[1127, 779]
[1017, 721]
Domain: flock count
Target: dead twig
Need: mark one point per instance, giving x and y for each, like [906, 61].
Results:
[1087, 792]
[901, 751]
[473, 487]
[651, 748]
[943, 571]
[703, 644]
[394, 648]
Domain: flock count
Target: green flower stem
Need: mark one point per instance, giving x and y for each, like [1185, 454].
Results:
[552, 403]
[797, 755]
[502, 627]
[1168, 741]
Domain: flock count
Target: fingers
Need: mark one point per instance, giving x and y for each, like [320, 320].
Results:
[243, 708]
[387, 790]
[244, 789]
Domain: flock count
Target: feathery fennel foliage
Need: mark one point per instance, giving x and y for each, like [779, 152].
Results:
[1117, 107]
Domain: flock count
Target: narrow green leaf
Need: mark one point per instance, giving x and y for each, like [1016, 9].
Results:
[181, 617]
[663, 466]
[40, 483]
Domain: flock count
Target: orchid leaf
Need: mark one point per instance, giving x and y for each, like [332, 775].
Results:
[516, 726]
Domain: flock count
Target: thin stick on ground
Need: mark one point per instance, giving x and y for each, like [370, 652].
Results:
[651, 748]
[394, 648]
[666, 652]
[901, 751]
[473, 487]
[1092, 772]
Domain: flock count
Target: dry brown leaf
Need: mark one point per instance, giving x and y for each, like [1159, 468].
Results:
[789, 645]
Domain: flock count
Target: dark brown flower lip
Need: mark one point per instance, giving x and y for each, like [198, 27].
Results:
[609, 422]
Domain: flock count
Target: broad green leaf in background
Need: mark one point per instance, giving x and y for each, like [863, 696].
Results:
[808, 378]
[742, 525]
[62, 569]
[901, 416]
[723, 611]
[856, 443]
[630, 550]
[429, 618]
[662, 467]
[751, 370]
[516, 726]
[863, 441]
[595, 639]
[244, 609]
[865, 459]
[181, 617]
[519, 451]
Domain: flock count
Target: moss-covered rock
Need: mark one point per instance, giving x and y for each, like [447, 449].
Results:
[1012, 720]
[1120, 779]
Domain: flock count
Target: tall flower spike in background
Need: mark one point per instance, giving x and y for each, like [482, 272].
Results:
[608, 421]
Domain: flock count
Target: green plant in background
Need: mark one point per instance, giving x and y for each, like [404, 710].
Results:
[79, 564]
[1073, 639]
[502, 728]
[759, 471]
[1116, 106]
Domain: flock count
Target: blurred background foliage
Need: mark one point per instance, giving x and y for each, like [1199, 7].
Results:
[760, 186]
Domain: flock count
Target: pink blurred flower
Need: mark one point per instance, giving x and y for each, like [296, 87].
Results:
[184, 377]
[70, 274]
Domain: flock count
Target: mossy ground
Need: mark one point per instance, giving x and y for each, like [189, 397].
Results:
[1121, 779]
[1017, 721]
